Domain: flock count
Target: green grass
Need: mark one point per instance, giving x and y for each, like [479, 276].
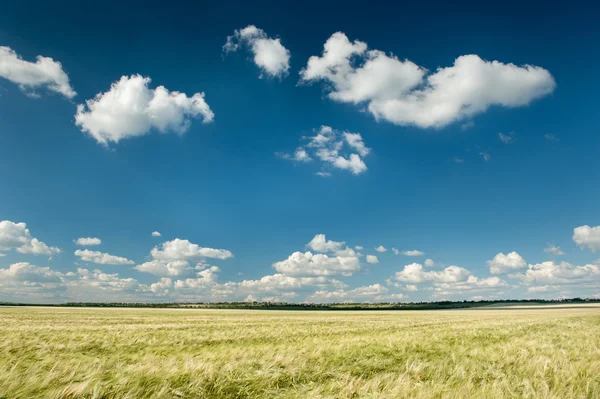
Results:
[189, 353]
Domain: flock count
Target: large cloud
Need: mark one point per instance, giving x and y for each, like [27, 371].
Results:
[102, 258]
[17, 236]
[44, 73]
[130, 109]
[269, 54]
[587, 237]
[179, 249]
[403, 93]
[505, 263]
[334, 149]
[558, 273]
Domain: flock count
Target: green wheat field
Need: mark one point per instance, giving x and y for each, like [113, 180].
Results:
[535, 352]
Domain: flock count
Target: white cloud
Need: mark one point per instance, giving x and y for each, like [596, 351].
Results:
[414, 273]
[26, 272]
[269, 54]
[372, 259]
[130, 109]
[309, 264]
[587, 237]
[458, 160]
[44, 73]
[543, 288]
[88, 241]
[320, 244]
[404, 93]
[430, 263]
[396, 251]
[410, 287]
[486, 156]
[334, 149]
[562, 273]
[413, 252]
[359, 247]
[17, 236]
[507, 138]
[101, 258]
[371, 293]
[179, 249]
[553, 249]
[164, 269]
[156, 234]
[381, 248]
[24, 282]
[505, 263]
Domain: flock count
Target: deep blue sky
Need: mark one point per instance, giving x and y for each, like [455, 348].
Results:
[221, 185]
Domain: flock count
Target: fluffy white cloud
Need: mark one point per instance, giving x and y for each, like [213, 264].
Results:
[24, 271]
[102, 258]
[371, 293]
[414, 273]
[320, 244]
[269, 54]
[381, 248]
[88, 241]
[553, 249]
[309, 264]
[24, 282]
[372, 259]
[179, 249]
[430, 263]
[403, 93]
[164, 269]
[130, 109]
[562, 273]
[44, 73]
[17, 236]
[505, 263]
[587, 237]
[413, 252]
[156, 234]
[359, 247]
[340, 150]
[410, 287]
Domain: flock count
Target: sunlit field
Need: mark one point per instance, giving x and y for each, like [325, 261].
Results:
[201, 353]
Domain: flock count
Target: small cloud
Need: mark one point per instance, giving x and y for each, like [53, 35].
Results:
[554, 249]
[381, 248]
[395, 251]
[430, 263]
[359, 247]
[156, 234]
[458, 160]
[323, 174]
[551, 137]
[372, 259]
[88, 241]
[507, 138]
[486, 156]
[413, 252]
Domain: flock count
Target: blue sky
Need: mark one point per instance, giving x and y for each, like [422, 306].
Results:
[467, 163]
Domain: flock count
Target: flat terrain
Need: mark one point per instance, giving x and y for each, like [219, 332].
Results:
[189, 353]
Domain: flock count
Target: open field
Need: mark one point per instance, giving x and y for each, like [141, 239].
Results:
[189, 353]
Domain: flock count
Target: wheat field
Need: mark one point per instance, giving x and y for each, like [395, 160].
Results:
[203, 353]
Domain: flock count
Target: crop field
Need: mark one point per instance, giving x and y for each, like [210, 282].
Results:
[201, 353]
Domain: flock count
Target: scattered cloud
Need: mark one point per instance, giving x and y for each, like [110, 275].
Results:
[404, 93]
[88, 241]
[558, 273]
[507, 138]
[359, 247]
[17, 236]
[553, 249]
[333, 149]
[414, 273]
[505, 263]
[164, 269]
[371, 293]
[587, 237]
[430, 263]
[381, 248]
[413, 252]
[486, 156]
[372, 259]
[102, 258]
[396, 251]
[44, 73]
[458, 160]
[179, 249]
[131, 109]
[156, 234]
[269, 54]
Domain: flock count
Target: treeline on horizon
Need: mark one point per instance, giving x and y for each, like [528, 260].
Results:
[313, 306]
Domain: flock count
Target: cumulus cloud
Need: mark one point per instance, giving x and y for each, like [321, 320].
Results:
[101, 258]
[44, 73]
[404, 93]
[17, 236]
[381, 248]
[371, 293]
[558, 273]
[131, 109]
[309, 264]
[413, 252]
[430, 263]
[24, 282]
[156, 234]
[505, 263]
[179, 249]
[372, 259]
[554, 249]
[396, 251]
[320, 244]
[88, 241]
[414, 273]
[24, 271]
[587, 237]
[164, 269]
[333, 149]
[269, 54]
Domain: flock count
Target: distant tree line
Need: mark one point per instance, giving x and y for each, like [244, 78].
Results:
[314, 306]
